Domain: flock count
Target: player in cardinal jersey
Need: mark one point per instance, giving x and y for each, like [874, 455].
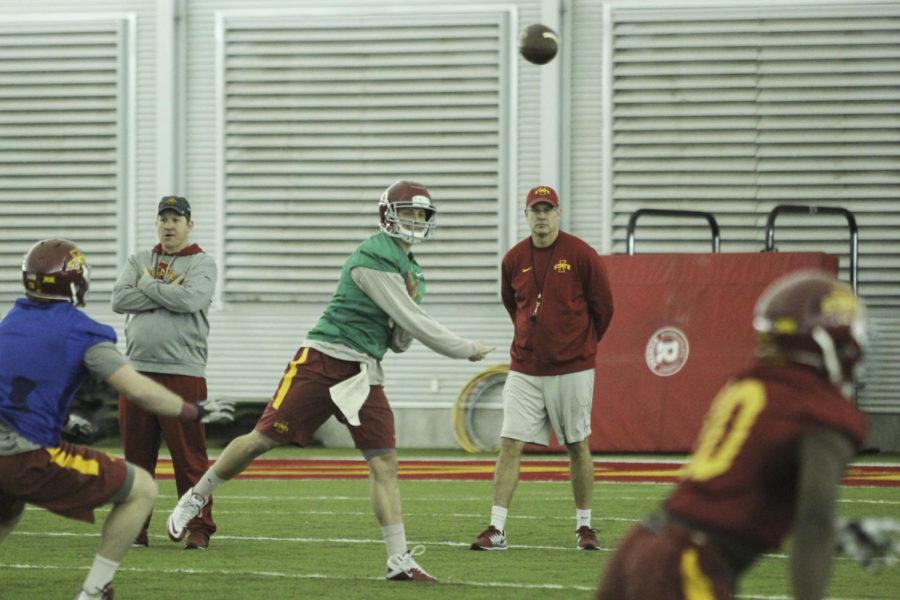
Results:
[47, 349]
[768, 461]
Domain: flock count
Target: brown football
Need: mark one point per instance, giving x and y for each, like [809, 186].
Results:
[538, 44]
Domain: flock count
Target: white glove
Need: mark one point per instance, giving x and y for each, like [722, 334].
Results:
[869, 539]
[78, 426]
[482, 349]
[215, 411]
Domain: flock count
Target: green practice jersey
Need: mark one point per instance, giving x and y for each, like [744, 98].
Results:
[352, 318]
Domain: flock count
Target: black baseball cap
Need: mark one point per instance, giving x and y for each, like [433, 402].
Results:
[176, 203]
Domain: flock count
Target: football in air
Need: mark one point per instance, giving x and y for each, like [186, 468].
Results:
[538, 44]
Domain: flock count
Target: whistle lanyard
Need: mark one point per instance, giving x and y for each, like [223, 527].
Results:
[168, 267]
[539, 284]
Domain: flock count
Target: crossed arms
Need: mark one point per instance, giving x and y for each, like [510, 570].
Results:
[136, 290]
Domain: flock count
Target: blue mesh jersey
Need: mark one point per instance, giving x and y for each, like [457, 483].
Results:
[42, 347]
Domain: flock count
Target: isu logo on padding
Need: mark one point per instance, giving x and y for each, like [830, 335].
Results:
[667, 351]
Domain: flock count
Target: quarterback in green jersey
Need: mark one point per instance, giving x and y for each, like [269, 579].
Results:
[337, 370]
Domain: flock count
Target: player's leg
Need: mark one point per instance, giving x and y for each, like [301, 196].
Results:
[524, 420]
[131, 506]
[506, 479]
[569, 399]
[655, 561]
[639, 558]
[140, 433]
[506, 471]
[581, 471]
[236, 457]
[72, 481]
[384, 490]
[12, 505]
[187, 445]
[127, 515]
[298, 407]
[374, 437]
[10, 513]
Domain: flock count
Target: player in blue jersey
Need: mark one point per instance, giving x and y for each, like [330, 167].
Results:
[48, 347]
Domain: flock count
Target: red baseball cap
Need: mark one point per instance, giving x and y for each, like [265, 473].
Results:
[541, 193]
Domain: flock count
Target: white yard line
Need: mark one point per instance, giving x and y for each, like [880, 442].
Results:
[320, 540]
[407, 514]
[321, 576]
[298, 540]
[561, 457]
[599, 495]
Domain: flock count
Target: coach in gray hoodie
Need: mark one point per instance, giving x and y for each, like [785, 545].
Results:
[166, 293]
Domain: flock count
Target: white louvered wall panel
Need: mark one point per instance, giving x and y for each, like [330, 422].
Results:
[321, 115]
[62, 86]
[252, 341]
[735, 111]
[586, 185]
[882, 378]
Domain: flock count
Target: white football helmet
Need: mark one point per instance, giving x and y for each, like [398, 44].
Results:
[406, 194]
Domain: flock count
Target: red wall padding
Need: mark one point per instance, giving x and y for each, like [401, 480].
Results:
[708, 297]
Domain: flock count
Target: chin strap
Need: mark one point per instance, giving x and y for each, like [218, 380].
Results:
[829, 355]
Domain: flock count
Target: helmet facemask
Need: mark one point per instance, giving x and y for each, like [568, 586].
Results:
[812, 319]
[79, 286]
[411, 231]
[407, 195]
[56, 269]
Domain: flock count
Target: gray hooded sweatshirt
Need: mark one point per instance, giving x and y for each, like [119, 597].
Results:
[167, 323]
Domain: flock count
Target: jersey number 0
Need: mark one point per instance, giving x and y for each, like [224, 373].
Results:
[726, 428]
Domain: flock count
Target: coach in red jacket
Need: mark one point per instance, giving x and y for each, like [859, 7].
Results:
[557, 294]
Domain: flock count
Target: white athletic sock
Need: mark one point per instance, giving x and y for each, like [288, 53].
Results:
[498, 517]
[101, 573]
[582, 517]
[394, 539]
[209, 482]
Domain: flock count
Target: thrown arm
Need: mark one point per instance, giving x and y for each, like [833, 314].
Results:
[388, 291]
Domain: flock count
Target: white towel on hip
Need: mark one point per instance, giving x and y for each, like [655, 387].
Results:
[350, 394]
